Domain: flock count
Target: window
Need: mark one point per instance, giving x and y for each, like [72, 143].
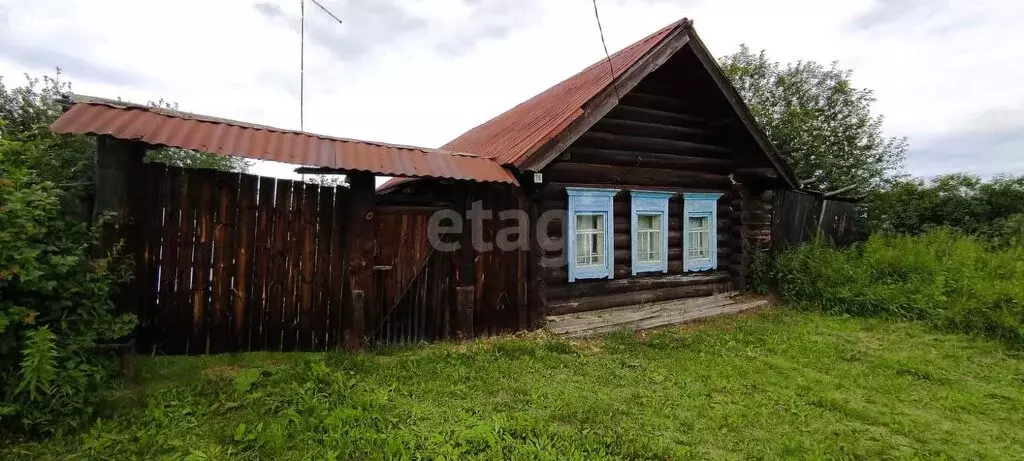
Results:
[700, 245]
[589, 240]
[699, 233]
[590, 233]
[649, 239]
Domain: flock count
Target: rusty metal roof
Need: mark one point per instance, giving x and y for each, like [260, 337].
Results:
[512, 136]
[162, 127]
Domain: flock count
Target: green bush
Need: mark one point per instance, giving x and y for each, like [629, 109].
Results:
[952, 281]
[55, 305]
[963, 202]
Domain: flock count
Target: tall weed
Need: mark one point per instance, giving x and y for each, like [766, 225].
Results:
[952, 281]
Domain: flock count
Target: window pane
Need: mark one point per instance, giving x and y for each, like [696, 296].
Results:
[648, 222]
[698, 233]
[590, 240]
[586, 221]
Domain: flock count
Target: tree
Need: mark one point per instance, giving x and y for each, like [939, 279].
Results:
[992, 208]
[27, 111]
[819, 122]
[56, 302]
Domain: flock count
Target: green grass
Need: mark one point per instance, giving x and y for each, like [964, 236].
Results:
[773, 385]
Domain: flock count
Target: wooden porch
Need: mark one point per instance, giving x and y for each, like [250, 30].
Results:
[650, 315]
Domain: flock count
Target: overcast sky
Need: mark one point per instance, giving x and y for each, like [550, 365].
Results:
[949, 75]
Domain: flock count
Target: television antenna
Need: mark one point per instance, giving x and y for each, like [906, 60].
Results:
[302, 55]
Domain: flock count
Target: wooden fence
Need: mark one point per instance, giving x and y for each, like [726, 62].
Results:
[799, 217]
[235, 262]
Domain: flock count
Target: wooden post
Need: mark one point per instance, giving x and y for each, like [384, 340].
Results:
[359, 255]
[118, 181]
[537, 288]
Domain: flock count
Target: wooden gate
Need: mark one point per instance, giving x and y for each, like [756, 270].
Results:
[236, 262]
[414, 287]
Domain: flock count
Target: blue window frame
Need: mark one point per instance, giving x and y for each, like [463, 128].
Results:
[591, 225]
[700, 231]
[649, 226]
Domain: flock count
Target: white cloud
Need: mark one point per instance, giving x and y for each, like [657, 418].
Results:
[423, 72]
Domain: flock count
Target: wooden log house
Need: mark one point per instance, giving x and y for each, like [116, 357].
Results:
[648, 175]
[665, 179]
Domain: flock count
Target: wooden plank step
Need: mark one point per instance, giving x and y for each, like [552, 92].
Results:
[652, 316]
[684, 302]
[605, 327]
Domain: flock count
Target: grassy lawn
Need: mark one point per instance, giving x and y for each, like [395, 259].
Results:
[773, 384]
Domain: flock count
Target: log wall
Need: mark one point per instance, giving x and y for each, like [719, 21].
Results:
[664, 135]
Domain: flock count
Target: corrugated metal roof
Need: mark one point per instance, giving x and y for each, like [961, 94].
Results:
[229, 137]
[512, 136]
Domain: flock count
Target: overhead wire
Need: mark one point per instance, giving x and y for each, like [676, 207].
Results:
[607, 56]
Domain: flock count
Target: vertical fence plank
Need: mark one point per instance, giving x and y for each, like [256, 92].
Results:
[150, 227]
[201, 290]
[244, 232]
[186, 240]
[222, 267]
[261, 257]
[338, 304]
[310, 200]
[321, 291]
[293, 266]
[167, 302]
[278, 271]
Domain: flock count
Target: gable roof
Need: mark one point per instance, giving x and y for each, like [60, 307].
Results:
[529, 135]
[511, 136]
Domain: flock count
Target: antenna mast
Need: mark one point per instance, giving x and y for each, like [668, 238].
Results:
[302, 56]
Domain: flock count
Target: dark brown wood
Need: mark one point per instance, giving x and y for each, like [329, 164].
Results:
[647, 115]
[601, 104]
[153, 323]
[223, 263]
[590, 288]
[118, 165]
[306, 317]
[538, 300]
[657, 100]
[262, 255]
[630, 158]
[651, 130]
[201, 287]
[294, 251]
[187, 256]
[360, 253]
[321, 294]
[523, 271]
[655, 145]
[245, 228]
[339, 306]
[465, 298]
[568, 306]
[147, 260]
[278, 271]
[757, 172]
[611, 175]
